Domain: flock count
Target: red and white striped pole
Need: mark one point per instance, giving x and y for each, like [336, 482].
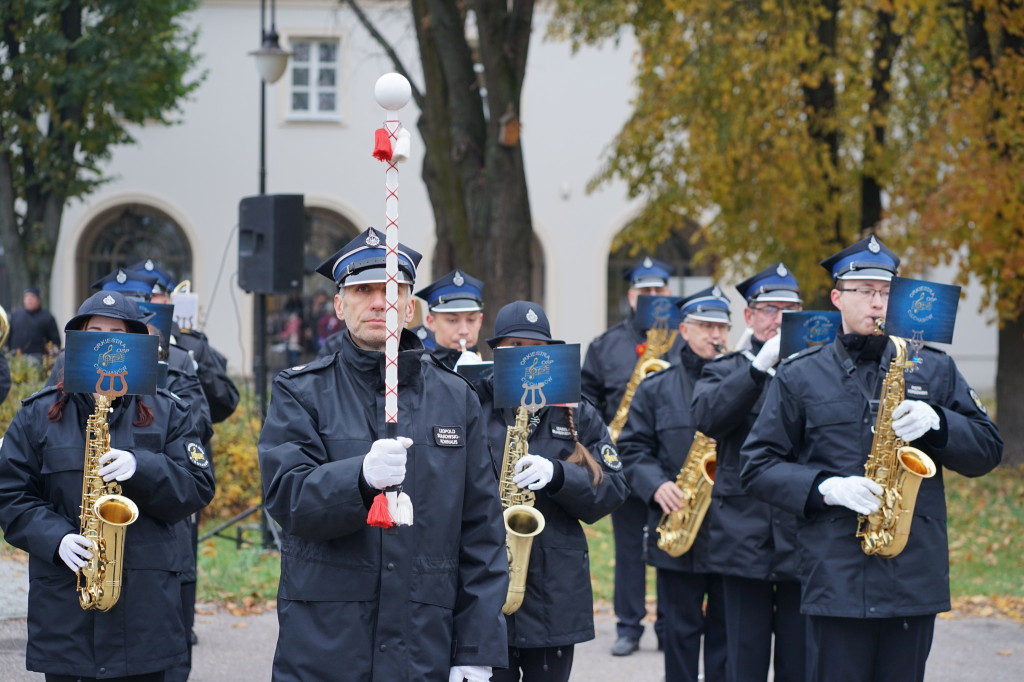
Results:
[392, 92]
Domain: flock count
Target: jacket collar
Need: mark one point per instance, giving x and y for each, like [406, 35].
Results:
[370, 363]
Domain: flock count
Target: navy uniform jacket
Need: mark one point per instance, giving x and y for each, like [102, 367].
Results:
[609, 364]
[558, 608]
[211, 367]
[749, 537]
[654, 444]
[816, 422]
[400, 604]
[41, 466]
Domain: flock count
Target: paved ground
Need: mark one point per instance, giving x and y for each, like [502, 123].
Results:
[242, 647]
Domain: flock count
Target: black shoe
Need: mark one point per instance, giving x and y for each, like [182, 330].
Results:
[192, 637]
[624, 646]
[661, 644]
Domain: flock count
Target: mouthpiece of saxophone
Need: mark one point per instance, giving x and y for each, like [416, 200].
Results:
[462, 345]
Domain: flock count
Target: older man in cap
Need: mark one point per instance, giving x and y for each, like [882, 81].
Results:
[455, 305]
[871, 617]
[418, 602]
[653, 446]
[609, 363]
[752, 543]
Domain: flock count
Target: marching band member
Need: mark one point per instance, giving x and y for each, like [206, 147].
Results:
[654, 446]
[157, 458]
[609, 363]
[573, 483]
[871, 617]
[454, 316]
[752, 543]
[417, 602]
[211, 366]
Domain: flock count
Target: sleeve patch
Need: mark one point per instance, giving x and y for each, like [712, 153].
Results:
[197, 455]
[977, 401]
[610, 457]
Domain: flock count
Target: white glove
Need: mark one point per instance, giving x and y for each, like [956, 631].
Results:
[472, 673]
[468, 357]
[75, 550]
[117, 464]
[913, 418]
[384, 464]
[853, 492]
[768, 356]
[534, 472]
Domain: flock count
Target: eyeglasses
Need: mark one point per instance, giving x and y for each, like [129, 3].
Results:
[867, 294]
[773, 310]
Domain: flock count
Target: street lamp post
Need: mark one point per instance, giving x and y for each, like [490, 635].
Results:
[271, 62]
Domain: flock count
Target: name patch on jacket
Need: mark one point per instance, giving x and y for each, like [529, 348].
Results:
[561, 431]
[916, 390]
[449, 436]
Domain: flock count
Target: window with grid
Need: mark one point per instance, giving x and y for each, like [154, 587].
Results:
[314, 80]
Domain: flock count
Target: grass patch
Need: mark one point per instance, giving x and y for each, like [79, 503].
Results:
[244, 580]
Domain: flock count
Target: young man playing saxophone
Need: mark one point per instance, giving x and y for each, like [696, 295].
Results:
[871, 617]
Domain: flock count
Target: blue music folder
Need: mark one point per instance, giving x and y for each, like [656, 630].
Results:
[806, 328]
[921, 310]
[110, 363]
[535, 376]
[657, 312]
[477, 371]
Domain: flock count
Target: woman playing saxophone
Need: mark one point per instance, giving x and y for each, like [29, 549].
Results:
[574, 474]
[156, 458]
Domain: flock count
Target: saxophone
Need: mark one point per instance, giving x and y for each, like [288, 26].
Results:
[522, 521]
[677, 530]
[104, 520]
[894, 465]
[659, 341]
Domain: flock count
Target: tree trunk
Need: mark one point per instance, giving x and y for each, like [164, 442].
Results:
[476, 181]
[1009, 389]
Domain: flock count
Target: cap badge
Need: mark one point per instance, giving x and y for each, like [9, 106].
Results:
[109, 300]
[458, 280]
[873, 245]
[531, 316]
[122, 277]
[781, 271]
[648, 262]
[150, 265]
[372, 240]
[716, 292]
[421, 332]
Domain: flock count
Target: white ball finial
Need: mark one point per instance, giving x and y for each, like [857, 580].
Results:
[392, 91]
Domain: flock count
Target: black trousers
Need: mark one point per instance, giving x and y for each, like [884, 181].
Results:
[629, 601]
[686, 623]
[755, 610]
[547, 664]
[870, 649]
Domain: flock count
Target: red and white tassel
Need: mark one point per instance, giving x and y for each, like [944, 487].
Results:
[382, 145]
[403, 510]
[379, 516]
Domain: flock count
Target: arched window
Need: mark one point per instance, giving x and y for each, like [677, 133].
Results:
[125, 235]
[677, 250]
